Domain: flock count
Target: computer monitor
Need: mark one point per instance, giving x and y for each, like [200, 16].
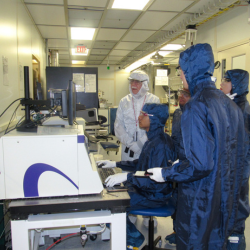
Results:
[71, 101]
[68, 104]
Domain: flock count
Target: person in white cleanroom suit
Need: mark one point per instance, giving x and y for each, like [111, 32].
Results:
[127, 129]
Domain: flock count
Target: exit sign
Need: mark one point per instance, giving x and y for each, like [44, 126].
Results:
[81, 49]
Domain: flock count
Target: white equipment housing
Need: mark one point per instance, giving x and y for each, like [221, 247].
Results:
[52, 162]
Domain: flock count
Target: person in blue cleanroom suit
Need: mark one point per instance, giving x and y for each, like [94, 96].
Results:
[158, 150]
[210, 175]
[183, 97]
[235, 86]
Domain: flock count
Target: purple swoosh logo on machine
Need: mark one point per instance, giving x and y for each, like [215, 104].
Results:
[32, 175]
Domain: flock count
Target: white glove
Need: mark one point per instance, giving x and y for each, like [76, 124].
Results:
[116, 179]
[177, 161]
[106, 163]
[156, 174]
[138, 145]
[231, 96]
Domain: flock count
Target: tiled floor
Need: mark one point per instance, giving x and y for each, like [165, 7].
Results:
[164, 228]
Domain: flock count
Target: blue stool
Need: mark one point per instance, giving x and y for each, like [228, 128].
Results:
[164, 211]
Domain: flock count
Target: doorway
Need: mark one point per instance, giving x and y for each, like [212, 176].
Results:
[36, 77]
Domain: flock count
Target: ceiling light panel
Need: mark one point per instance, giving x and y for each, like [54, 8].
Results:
[84, 18]
[120, 18]
[129, 4]
[110, 34]
[170, 5]
[45, 1]
[88, 3]
[160, 19]
[137, 35]
[52, 31]
[82, 33]
[45, 14]
[173, 47]
[78, 62]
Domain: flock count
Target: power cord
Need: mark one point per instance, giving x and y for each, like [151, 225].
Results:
[10, 105]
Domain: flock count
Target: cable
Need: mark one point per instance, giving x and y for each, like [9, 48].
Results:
[4, 216]
[11, 118]
[67, 236]
[10, 105]
[4, 228]
[98, 232]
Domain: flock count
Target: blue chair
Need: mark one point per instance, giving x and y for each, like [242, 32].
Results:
[164, 211]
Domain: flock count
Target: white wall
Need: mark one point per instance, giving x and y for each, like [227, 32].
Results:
[19, 39]
[228, 28]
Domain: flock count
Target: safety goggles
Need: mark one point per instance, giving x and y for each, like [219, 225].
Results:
[184, 93]
[225, 80]
[136, 82]
[142, 113]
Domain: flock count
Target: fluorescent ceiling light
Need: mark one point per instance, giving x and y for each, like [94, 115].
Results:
[82, 33]
[73, 52]
[78, 62]
[129, 4]
[173, 47]
[164, 53]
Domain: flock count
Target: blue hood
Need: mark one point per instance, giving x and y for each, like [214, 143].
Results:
[197, 63]
[239, 79]
[160, 112]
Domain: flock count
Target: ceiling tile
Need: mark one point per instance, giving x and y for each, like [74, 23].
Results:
[63, 57]
[52, 31]
[110, 62]
[177, 21]
[120, 18]
[115, 58]
[64, 61]
[63, 52]
[104, 45]
[57, 43]
[87, 43]
[137, 35]
[110, 34]
[160, 18]
[84, 18]
[127, 45]
[93, 62]
[45, 1]
[45, 14]
[96, 58]
[170, 5]
[198, 6]
[88, 3]
[99, 51]
[156, 36]
[119, 52]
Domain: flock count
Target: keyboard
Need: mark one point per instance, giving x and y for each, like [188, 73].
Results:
[105, 173]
